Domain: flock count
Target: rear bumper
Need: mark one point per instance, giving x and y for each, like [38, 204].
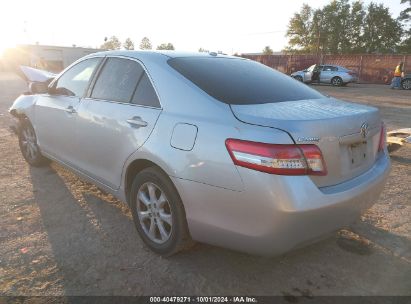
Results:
[277, 213]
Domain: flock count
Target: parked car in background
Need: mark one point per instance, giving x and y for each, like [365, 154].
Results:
[333, 74]
[406, 82]
[218, 149]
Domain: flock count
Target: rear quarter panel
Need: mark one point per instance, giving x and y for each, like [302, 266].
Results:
[209, 161]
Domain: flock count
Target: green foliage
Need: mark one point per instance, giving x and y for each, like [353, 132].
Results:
[382, 33]
[145, 44]
[165, 46]
[128, 44]
[300, 30]
[405, 17]
[267, 51]
[113, 43]
[344, 27]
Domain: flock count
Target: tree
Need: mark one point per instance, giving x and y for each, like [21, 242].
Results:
[113, 43]
[128, 44]
[145, 44]
[382, 33]
[165, 46]
[334, 26]
[344, 27]
[355, 27]
[299, 30]
[267, 51]
[405, 17]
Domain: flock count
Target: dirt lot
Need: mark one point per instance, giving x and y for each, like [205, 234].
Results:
[62, 236]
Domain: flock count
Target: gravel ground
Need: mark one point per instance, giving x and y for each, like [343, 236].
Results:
[62, 236]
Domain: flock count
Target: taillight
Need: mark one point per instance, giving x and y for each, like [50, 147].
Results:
[277, 159]
[383, 138]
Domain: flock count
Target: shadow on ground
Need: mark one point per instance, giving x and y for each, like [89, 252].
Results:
[98, 252]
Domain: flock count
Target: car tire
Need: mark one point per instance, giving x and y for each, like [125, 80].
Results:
[337, 81]
[158, 213]
[406, 84]
[28, 145]
[299, 78]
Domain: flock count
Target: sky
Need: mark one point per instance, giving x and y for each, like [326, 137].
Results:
[216, 25]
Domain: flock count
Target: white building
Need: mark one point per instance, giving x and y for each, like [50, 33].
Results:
[51, 58]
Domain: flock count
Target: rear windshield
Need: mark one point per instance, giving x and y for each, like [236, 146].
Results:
[239, 81]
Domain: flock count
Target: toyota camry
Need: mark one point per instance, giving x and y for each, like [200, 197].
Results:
[207, 147]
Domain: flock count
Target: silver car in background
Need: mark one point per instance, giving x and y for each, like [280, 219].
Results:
[206, 147]
[332, 74]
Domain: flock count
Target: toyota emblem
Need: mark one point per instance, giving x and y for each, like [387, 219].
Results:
[364, 130]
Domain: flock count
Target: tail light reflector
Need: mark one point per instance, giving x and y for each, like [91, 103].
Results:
[383, 138]
[277, 159]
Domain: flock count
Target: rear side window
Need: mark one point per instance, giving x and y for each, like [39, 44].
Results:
[145, 94]
[239, 81]
[118, 79]
[330, 68]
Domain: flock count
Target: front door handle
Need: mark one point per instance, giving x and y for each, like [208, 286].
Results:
[70, 110]
[136, 121]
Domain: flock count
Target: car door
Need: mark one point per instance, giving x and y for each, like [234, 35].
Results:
[308, 73]
[55, 112]
[115, 119]
[326, 74]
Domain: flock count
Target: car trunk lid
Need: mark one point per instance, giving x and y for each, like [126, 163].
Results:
[347, 133]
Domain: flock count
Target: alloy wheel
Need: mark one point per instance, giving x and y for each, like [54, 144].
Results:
[337, 81]
[29, 143]
[406, 85]
[154, 213]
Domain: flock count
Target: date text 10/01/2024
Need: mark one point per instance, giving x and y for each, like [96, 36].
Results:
[199, 299]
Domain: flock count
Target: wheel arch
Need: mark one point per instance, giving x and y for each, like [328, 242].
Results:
[335, 77]
[135, 167]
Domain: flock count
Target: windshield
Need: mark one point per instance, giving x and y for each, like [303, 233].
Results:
[240, 81]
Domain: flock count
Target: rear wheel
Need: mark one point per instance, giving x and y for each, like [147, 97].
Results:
[158, 212]
[336, 81]
[28, 145]
[406, 84]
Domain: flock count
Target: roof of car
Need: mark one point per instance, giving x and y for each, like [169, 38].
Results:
[153, 54]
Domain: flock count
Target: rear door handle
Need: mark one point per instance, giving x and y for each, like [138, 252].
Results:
[136, 121]
[70, 110]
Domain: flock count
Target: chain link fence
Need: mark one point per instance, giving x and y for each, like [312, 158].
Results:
[370, 68]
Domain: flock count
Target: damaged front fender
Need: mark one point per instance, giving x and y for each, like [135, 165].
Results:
[23, 106]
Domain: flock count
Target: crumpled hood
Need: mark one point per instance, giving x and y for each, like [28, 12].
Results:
[35, 75]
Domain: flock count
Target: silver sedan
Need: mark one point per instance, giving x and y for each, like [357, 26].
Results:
[332, 74]
[207, 147]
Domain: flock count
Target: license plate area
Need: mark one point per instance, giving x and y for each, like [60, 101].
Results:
[357, 153]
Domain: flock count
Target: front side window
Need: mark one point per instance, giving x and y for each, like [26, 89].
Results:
[75, 81]
[117, 80]
[241, 82]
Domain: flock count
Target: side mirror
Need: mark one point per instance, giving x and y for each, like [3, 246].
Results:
[38, 87]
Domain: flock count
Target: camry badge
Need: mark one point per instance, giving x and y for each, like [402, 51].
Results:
[364, 130]
[302, 139]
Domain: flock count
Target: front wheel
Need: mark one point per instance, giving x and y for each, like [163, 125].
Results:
[158, 212]
[406, 84]
[28, 145]
[299, 78]
[336, 81]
